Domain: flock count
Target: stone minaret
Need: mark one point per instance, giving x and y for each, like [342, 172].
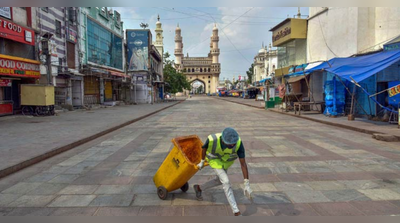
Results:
[159, 44]
[214, 45]
[178, 48]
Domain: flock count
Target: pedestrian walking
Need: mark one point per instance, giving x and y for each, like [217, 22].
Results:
[220, 151]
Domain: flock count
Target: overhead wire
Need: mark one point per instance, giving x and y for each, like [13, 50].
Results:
[221, 28]
[230, 39]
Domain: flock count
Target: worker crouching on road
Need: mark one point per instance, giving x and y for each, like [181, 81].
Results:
[221, 150]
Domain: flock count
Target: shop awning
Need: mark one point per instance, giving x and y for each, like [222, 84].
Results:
[307, 67]
[292, 79]
[359, 68]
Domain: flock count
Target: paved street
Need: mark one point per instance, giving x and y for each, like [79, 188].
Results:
[297, 167]
[27, 137]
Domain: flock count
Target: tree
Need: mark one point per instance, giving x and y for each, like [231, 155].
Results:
[250, 74]
[175, 81]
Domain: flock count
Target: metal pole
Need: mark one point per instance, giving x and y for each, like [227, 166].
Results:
[48, 62]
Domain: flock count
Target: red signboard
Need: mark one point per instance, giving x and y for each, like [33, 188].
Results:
[5, 83]
[16, 32]
[19, 67]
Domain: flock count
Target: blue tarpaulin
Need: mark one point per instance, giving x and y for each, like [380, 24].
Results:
[359, 68]
[263, 80]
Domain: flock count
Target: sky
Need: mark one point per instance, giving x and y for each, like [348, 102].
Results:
[242, 31]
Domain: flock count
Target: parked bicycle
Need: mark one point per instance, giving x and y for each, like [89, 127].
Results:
[38, 110]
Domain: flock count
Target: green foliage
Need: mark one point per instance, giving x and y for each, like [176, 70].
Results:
[175, 81]
[250, 74]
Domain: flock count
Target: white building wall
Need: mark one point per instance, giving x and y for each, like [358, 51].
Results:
[19, 16]
[348, 31]
[387, 23]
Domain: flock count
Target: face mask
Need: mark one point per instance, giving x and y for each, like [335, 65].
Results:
[230, 146]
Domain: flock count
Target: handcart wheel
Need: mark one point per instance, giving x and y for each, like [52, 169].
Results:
[185, 187]
[162, 193]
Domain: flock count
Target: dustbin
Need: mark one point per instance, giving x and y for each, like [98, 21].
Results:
[179, 165]
[269, 104]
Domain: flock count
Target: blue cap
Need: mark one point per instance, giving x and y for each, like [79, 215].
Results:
[230, 136]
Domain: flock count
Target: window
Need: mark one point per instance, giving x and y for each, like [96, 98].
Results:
[201, 69]
[104, 47]
[192, 69]
[58, 29]
[71, 15]
[209, 71]
[190, 77]
[60, 64]
[46, 9]
[204, 77]
[209, 81]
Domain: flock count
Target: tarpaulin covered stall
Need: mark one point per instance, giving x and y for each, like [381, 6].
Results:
[360, 68]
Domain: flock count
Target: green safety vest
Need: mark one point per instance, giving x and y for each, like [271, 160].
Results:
[216, 156]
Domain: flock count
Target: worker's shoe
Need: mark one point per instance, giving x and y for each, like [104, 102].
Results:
[238, 214]
[198, 192]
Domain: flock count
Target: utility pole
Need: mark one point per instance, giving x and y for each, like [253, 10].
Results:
[47, 52]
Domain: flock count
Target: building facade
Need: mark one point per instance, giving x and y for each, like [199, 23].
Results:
[259, 65]
[271, 62]
[159, 46]
[361, 30]
[103, 56]
[203, 69]
[58, 27]
[19, 61]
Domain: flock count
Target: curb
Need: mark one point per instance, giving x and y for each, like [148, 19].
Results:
[320, 121]
[27, 163]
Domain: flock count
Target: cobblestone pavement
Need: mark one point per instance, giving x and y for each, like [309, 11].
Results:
[297, 167]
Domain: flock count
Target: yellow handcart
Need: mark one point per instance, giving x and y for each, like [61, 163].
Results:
[179, 165]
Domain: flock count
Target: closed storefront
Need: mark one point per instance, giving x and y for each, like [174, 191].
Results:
[15, 71]
[76, 93]
[92, 90]
[60, 91]
[108, 91]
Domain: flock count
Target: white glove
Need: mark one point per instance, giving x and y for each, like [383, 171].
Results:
[201, 164]
[247, 190]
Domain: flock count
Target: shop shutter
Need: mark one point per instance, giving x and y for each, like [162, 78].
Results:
[108, 91]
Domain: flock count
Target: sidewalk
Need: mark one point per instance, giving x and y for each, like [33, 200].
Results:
[26, 140]
[360, 124]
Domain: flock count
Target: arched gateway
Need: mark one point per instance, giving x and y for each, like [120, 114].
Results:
[206, 69]
[196, 89]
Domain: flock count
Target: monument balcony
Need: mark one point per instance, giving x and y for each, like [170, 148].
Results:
[215, 38]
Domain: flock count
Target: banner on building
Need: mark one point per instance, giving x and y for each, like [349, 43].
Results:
[138, 45]
[5, 83]
[5, 12]
[10, 30]
[71, 35]
[19, 67]
[394, 90]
